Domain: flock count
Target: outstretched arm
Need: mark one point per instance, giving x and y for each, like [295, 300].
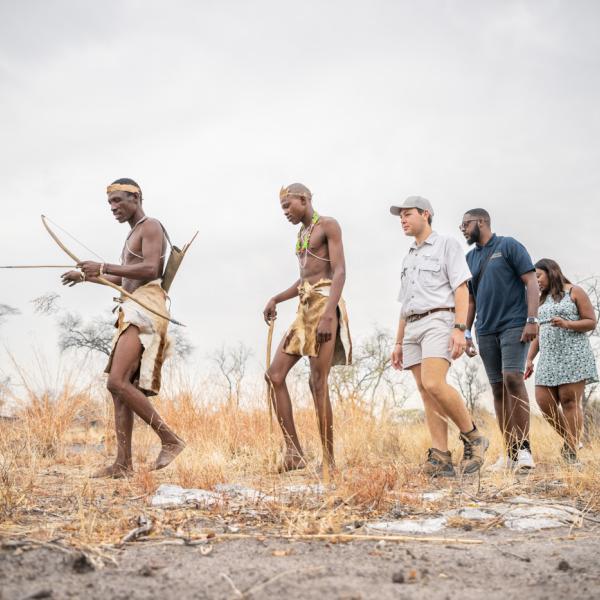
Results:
[71, 278]
[333, 231]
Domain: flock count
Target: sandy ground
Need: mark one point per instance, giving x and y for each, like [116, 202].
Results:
[541, 565]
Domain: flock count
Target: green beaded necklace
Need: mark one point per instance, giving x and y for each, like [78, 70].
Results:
[303, 239]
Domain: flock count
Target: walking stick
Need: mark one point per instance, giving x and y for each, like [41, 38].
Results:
[270, 389]
[324, 426]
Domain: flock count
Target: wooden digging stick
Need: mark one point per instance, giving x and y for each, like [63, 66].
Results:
[270, 391]
[323, 426]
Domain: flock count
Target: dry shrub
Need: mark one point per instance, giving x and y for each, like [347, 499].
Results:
[377, 458]
[11, 493]
[368, 486]
[145, 480]
[204, 472]
[47, 418]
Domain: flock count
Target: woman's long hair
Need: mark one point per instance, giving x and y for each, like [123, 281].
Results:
[556, 280]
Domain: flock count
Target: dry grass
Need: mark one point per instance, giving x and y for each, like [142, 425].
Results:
[48, 452]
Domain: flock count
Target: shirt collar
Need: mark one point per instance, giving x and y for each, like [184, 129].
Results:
[430, 240]
[491, 241]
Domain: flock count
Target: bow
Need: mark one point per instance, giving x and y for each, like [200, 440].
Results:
[106, 281]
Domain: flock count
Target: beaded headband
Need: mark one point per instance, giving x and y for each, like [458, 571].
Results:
[284, 192]
[123, 187]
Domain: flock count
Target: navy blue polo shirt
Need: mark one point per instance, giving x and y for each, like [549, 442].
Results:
[500, 295]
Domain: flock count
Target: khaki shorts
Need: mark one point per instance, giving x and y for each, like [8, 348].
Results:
[428, 338]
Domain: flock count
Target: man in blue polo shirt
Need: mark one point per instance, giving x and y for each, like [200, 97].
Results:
[504, 294]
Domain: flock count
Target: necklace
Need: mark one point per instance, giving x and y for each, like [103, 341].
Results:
[303, 240]
[304, 234]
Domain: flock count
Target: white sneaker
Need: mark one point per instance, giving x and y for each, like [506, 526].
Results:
[503, 464]
[524, 460]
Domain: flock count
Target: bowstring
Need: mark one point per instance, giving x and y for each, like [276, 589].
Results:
[75, 239]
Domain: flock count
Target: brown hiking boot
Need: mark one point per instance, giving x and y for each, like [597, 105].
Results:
[475, 446]
[438, 464]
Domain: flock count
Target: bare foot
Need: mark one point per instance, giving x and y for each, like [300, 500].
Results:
[115, 471]
[292, 461]
[168, 453]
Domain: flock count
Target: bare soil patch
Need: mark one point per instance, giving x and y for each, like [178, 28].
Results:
[543, 565]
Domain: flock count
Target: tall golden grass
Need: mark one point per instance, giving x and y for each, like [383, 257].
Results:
[56, 440]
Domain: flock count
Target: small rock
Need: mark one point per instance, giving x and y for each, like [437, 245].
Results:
[398, 512]
[398, 577]
[232, 529]
[413, 576]
[563, 565]
[146, 571]
[82, 563]
[380, 544]
[47, 593]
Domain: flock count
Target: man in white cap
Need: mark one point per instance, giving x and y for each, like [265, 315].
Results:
[435, 300]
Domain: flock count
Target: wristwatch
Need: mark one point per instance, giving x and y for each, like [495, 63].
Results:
[532, 320]
[460, 326]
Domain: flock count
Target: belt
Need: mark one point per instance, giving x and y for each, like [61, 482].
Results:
[412, 318]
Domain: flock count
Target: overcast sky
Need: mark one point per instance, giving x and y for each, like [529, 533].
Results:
[212, 106]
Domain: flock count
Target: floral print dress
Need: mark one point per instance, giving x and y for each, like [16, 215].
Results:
[565, 356]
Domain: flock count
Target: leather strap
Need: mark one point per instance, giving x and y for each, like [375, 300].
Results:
[412, 318]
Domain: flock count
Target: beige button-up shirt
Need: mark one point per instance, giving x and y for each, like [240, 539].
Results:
[431, 273]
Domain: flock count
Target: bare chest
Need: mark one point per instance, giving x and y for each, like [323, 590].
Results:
[313, 255]
[133, 249]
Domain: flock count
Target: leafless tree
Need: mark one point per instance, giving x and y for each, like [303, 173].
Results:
[182, 347]
[96, 335]
[46, 304]
[4, 392]
[7, 311]
[466, 374]
[370, 374]
[232, 362]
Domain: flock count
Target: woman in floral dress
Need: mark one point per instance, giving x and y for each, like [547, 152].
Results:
[566, 362]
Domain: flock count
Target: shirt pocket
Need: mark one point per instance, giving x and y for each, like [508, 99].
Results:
[430, 274]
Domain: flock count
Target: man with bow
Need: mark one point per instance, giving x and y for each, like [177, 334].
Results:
[140, 344]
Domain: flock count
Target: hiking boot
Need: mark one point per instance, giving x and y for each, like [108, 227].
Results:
[475, 446]
[438, 464]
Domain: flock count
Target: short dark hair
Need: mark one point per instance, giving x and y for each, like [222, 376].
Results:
[480, 213]
[128, 181]
[430, 218]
